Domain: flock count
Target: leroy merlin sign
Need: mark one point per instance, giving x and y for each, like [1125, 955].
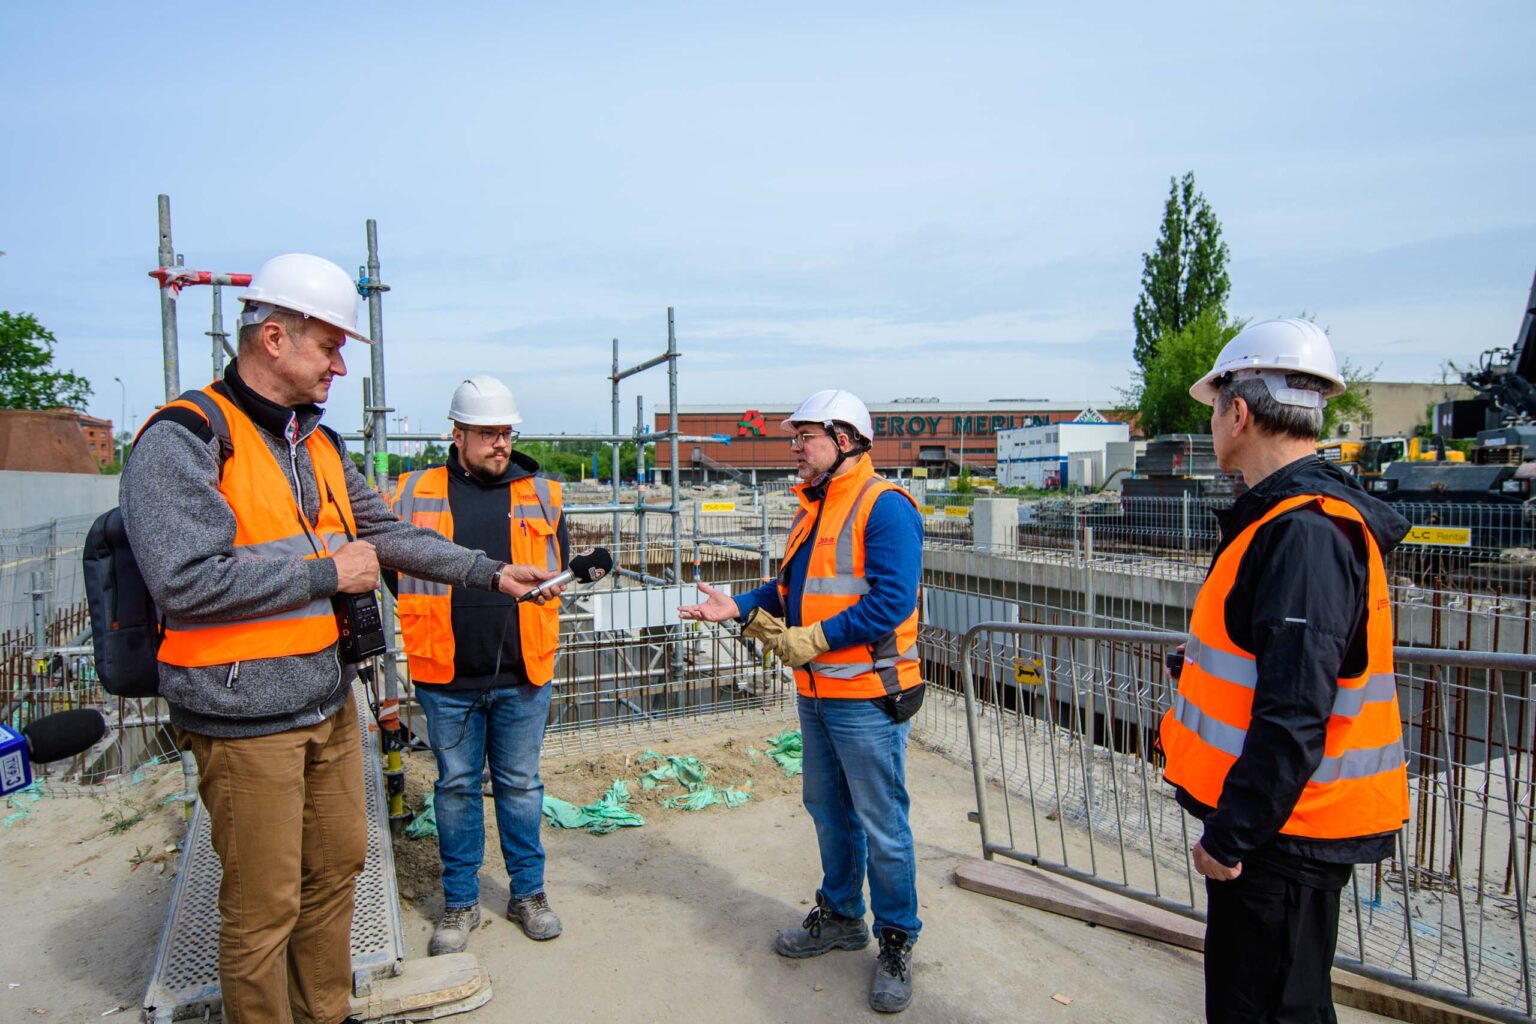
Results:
[966, 426]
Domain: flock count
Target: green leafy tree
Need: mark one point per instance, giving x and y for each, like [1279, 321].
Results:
[1185, 274]
[27, 377]
[1161, 397]
[1352, 405]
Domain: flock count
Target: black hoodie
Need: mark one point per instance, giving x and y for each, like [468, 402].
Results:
[1298, 604]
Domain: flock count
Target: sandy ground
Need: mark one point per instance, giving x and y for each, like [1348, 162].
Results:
[669, 922]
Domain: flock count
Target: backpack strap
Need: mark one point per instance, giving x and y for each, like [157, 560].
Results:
[211, 424]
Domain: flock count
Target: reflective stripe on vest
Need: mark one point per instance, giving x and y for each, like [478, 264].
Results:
[426, 616]
[270, 525]
[835, 581]
[1360, 786]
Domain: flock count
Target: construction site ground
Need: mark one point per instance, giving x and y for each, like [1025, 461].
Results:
[672, 921]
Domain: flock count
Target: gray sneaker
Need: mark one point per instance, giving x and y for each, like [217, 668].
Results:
[452, 932]
[891, 989]
[821, 932]
[534, 916]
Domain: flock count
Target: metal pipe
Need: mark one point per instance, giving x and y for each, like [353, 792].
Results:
[677, 537]
[613, 446]
[654, 361]
[373, 287]
[169, 352]
[217, 333]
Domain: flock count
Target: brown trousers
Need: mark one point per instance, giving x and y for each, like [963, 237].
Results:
[291, 833]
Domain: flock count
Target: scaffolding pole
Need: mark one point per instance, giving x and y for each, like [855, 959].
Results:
[167, 263]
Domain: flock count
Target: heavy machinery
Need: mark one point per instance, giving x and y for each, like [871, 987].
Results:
[1499, 475]
[1370, 457]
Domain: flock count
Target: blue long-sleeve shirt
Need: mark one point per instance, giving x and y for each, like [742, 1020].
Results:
[893, 565]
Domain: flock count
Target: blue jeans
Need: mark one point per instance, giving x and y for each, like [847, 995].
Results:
[855, 787]
[464, 727]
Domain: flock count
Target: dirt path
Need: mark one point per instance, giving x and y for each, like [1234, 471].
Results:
[670, 922]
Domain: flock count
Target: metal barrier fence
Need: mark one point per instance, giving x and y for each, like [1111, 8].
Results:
[40, 571]
[1058, 722]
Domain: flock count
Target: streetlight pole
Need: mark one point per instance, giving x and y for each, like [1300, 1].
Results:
[122, 454]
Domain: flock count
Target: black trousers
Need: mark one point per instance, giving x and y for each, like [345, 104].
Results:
[1269, 943]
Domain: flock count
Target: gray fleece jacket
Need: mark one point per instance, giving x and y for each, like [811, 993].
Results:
[182, 531]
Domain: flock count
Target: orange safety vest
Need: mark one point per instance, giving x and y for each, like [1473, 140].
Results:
[835, 581]
[269, 523]
[426, 621]
[1361, 786]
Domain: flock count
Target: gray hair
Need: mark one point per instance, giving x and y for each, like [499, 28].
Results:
[1272, 416]
[296, 324]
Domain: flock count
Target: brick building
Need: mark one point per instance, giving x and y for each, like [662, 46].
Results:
[99, 438]
[941, 437]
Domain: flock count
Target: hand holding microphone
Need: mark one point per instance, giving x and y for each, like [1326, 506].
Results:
[529, 584]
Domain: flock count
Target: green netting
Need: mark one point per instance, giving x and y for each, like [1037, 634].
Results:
[424, 824]
[785, 749]
[606, 814]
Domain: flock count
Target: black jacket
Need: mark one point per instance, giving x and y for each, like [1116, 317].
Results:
[1298, 605]
[485, 623]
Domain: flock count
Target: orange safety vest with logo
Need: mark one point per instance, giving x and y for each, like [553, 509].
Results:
[1361, 786]
[835, 581]
[426, 621]
[269, 523]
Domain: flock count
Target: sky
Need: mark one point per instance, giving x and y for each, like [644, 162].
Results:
[900, 199]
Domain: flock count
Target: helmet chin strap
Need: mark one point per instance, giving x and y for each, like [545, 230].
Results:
[817, 489]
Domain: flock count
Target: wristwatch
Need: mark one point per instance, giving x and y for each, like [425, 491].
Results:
[496, 577]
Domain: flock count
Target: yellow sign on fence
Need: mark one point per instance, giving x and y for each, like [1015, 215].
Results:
[717, 506]
[1027, 673]
[957, 510]
[928, 510]
[1443, 536]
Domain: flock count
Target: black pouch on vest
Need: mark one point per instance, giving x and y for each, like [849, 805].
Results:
[901, 706]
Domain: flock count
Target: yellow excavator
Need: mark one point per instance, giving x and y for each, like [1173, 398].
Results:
[1371, 457]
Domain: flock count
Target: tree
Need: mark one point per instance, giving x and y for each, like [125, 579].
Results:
[1354, 404]
[1185, 275]
[1161, 397]
[27, 377]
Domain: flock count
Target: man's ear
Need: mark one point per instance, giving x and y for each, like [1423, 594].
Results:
[272, 337]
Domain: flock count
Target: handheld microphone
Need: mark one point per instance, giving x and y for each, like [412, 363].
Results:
[587, 567]
[55, 737]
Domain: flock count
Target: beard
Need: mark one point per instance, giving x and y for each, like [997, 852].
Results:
[486, 474]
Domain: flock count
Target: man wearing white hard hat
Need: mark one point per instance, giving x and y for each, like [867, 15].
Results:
[481, 663]
[247, 519]
[1285, 736]
[843, 614]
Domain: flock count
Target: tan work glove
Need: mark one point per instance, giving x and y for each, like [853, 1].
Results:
[800, 645]
[764, 626]
[795, 645]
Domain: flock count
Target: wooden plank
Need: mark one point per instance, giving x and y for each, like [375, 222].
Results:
[1058, 895]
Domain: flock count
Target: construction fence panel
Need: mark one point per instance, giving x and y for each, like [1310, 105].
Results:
[1059, 724]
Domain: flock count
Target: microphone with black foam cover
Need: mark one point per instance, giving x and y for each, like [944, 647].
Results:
[587, 567]
[64, 734]
[53, 737]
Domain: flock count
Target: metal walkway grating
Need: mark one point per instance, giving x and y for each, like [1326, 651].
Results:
[184, 984]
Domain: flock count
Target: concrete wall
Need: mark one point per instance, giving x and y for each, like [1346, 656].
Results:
[1398, 408]
[34, 498]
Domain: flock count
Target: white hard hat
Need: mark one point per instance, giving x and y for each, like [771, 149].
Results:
[832, 405]
[305, 284]
[484, 401]
[1270, 350]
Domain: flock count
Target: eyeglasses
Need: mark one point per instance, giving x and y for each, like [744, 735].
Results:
[490, 435]
[805, 437]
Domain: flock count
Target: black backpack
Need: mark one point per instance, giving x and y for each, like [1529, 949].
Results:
[126, 627]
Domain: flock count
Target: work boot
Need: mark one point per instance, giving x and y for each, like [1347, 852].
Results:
[821, 932]
[452, 932]
[534, 917]
[891, 989]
